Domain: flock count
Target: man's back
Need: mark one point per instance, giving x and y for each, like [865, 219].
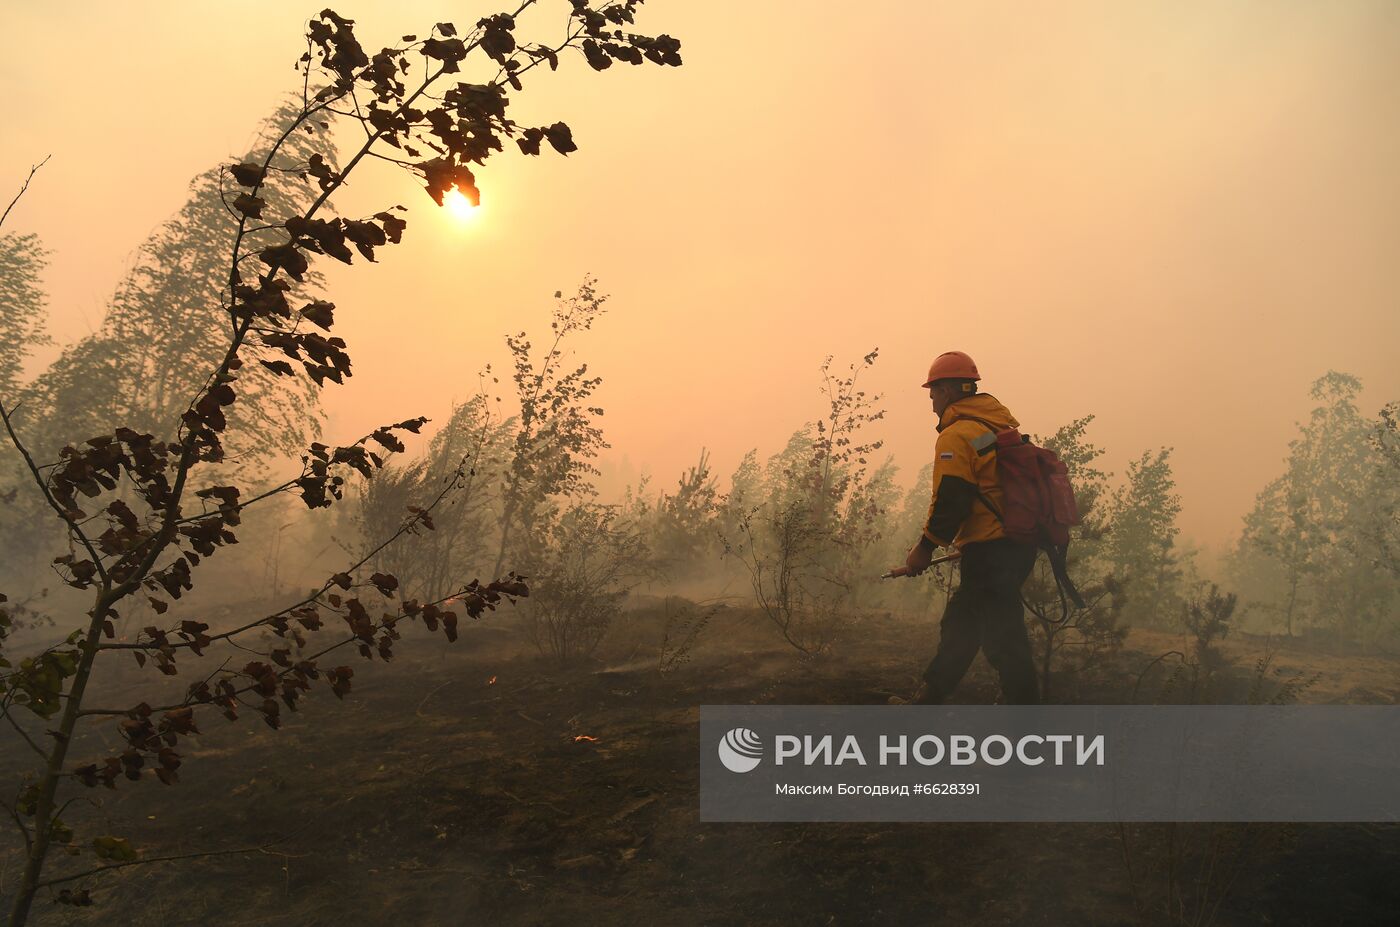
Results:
[965, 454]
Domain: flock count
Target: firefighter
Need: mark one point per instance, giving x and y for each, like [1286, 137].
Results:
[985, 611]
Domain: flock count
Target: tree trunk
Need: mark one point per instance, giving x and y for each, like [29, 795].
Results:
[1292, 602]
[53, 770]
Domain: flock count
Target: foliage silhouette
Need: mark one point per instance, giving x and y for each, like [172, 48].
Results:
[142, 511]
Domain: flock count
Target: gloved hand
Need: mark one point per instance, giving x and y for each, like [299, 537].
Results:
[920, 558]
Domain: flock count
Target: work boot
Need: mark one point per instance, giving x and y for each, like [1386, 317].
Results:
[921, 696]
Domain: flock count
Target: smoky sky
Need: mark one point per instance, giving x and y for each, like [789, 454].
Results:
[1173, 217]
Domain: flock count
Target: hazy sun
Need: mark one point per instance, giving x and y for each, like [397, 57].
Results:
[457, 204]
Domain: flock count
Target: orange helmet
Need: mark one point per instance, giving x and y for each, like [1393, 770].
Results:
[951, 365]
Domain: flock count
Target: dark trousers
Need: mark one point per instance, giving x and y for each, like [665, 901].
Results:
[985, 611]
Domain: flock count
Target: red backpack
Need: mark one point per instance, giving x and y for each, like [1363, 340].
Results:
[1037, 500]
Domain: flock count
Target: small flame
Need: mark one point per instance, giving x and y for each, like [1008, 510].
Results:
[585, 737]
[491, 681]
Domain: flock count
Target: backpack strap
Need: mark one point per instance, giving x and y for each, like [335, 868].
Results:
[987, 425]
[989, 448]
[1059, 565]
[981, 497]
[982, 421]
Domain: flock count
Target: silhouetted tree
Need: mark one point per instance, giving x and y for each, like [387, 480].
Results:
[556, 437]
[473, 440]
[1140, 546]
[143, 511]
[588, 559]
[22, 306]
[1313, 548]
[1382, 531]
[805, 536]
[1074, 640]
[164, 328]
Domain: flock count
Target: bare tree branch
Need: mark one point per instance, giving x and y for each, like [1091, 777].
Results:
[19, 822]
[406, 527]
[98, 870]
[32, 171]
[21, 732]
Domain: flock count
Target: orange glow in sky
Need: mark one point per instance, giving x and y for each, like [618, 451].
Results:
[1173, 217]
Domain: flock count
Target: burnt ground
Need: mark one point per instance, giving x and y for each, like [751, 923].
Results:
[432, 795]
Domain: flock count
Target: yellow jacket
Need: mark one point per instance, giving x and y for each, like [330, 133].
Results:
[964, 464]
